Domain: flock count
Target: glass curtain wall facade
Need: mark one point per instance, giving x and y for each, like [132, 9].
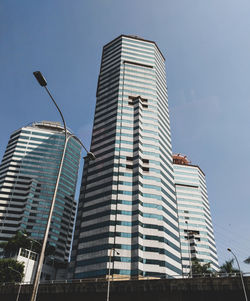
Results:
[196, 230]
[28, 175]
[127, 198]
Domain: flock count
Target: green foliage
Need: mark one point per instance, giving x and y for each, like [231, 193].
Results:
[199, 269]
[19, 240]
[22, 240]
[3, 244]
[11, 270]
[247, 260]
[227, 267]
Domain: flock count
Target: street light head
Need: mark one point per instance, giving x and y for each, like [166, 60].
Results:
[42, 81]
[229, 250]
[91, 156]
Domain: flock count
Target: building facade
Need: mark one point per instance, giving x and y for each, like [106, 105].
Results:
[196, 229]
[127, 206]
[28, 175]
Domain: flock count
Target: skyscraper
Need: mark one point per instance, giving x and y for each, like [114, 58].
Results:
[27, 178]
[127, 207]
[196, 230]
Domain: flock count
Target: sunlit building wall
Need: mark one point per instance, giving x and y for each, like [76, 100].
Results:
[196, 229]
[127, 199]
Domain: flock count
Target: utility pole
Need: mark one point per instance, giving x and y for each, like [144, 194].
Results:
[189, 252]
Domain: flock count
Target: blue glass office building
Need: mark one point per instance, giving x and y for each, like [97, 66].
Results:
[127, 199]
[27, 179]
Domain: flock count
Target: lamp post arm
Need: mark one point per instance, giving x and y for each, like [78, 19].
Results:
[91, 155]
[58, 109]
[78, 140]
[241, 277]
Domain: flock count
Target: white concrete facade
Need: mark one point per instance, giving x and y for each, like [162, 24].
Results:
[127, 198]
[30, 260]
[196, 230]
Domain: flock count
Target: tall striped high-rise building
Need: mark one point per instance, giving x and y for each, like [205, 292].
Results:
[127, 205]
[196, 229]
[28, 175]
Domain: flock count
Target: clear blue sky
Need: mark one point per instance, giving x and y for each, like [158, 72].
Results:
[207, 50]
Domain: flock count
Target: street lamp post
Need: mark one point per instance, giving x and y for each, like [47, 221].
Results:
[112, 251]
[241, 276]
[189, 252]
[20, 283]
[42, 81]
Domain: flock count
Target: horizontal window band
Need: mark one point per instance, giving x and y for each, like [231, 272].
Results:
[137, 64]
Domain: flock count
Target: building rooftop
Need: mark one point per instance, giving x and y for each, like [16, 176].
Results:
[136, 38]
[50, 126]
[180, 159]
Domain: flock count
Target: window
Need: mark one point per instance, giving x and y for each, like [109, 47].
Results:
[129, 166]
[24, 253]
[33, 256]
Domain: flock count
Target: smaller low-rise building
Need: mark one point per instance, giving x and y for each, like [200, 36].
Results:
[30, 260]
[52, 269]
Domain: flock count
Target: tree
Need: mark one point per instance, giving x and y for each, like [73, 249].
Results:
[11, 247]
[247, 260]
[11, 270]
[227, 267]
[198, 268]
[22, 240]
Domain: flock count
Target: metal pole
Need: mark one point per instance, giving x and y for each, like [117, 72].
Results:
[241, 277]
[20, 283]
[19, 290]
[41, 258]
[34, 267]
[45, 239]
[111, 250]
[189, 253]
[90, 155]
